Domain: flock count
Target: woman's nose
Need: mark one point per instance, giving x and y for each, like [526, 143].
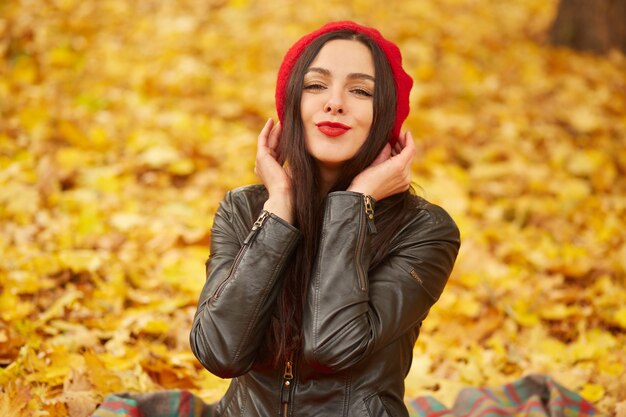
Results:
[334, 105]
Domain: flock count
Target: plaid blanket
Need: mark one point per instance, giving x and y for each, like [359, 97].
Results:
[531, 396]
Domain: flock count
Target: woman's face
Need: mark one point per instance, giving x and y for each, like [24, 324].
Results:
[337, 102]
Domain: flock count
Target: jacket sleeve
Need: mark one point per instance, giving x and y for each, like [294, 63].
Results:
[236, 302]
[352, 312]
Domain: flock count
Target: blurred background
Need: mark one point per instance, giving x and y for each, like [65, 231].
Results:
[123, 123]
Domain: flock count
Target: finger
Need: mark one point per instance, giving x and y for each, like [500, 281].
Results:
[263, 136]
[408, 152]
[274, 136]
[398, 144]
[401, 140]
[288, 171]
[397, 147]
[410, 142]
[407, 140]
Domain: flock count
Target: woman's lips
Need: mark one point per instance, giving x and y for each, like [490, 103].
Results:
[332, 129]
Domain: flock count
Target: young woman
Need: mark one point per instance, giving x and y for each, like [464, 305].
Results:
[320, 277]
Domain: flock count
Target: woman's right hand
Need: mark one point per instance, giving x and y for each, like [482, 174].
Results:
[390, 173]
[269, 169]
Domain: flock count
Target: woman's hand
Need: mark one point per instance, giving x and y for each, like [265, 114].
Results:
[390, 173]
[269, 169]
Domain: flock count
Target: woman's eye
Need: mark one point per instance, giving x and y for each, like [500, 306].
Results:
[313, 87]
[362, 92]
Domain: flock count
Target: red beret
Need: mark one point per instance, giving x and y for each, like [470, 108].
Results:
[402, 80]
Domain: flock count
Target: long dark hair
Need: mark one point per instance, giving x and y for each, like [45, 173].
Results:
[285, 334]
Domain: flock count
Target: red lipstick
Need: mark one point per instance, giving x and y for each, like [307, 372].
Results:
[332, 129]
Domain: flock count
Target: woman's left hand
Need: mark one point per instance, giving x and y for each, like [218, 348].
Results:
[390, 173]
[275, 177]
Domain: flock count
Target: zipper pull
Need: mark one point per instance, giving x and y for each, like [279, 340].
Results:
[288, 375]
[286, 391]
[369, 213]
[256, 226]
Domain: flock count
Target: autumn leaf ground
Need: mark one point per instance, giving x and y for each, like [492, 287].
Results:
[123, 123]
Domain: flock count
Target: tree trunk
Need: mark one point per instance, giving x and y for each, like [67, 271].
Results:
[590, 25]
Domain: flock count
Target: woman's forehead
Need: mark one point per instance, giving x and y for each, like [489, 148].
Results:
[343, 57]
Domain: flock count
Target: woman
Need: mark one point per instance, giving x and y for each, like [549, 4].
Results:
[319, 279]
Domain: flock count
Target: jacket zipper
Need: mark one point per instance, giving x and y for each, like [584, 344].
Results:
[256, 226]
[246, 243]
[287, 386]
[369, 219]
[369, 212]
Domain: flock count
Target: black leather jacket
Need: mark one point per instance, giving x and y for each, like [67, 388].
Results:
[360, 325]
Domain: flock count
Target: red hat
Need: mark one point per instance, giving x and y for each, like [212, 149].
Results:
[402, 80]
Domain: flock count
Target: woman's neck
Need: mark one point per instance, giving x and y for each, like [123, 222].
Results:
[328, 177]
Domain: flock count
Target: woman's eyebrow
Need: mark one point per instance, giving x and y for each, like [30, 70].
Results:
[351, 76]
[360, 76]
[319, 70]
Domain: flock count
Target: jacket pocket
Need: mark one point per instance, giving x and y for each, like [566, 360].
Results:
[375, 407]
[432, 293]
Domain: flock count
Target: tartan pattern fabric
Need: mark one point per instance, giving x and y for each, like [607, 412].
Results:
[172, 403]
[531, 396]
